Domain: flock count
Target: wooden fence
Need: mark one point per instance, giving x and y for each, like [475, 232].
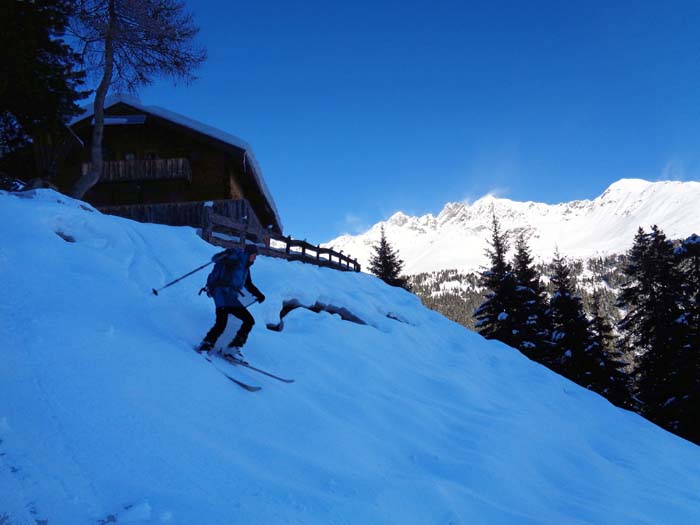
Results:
[231, 223]
[226, 232]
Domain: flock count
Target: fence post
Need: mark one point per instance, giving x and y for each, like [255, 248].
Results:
[244, 234]
[268, 236]
[207, 227]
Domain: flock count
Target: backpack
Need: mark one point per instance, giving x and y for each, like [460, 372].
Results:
[225, 273]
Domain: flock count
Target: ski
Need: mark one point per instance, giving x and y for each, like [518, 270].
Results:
[245, 386]
[238, 362]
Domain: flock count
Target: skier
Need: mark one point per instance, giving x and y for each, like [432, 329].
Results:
[230, 274]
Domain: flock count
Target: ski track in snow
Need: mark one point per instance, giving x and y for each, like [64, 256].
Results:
[105, 410]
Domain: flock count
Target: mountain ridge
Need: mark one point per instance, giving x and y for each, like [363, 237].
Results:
[457, 236]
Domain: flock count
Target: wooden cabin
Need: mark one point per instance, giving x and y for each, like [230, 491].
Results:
[160, 166]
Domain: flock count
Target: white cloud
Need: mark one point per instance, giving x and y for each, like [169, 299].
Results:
[497, 192]
[354, 224]
[674, 170]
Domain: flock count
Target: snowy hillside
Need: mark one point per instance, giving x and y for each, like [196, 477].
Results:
[456, 237]
[108, 416]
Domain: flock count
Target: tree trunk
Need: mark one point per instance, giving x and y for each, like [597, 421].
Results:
[92, 177]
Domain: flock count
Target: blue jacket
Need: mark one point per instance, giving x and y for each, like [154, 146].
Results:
[230, 274]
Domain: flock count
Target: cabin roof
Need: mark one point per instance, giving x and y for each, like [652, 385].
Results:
[194, 125]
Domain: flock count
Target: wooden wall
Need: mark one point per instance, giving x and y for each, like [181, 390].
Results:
[186, 213]
[216, 174]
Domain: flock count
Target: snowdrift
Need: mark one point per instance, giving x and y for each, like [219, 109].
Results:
[397, 415]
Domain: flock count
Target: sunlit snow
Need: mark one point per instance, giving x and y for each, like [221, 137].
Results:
[107, 415]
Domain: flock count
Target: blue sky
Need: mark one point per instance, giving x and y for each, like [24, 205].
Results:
[356, 110]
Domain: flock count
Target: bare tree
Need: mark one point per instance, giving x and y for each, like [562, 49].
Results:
[126, 43]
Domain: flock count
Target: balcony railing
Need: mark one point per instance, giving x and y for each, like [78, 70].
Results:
[139, 170]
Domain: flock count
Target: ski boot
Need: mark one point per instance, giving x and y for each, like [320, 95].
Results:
[204, 346]
[234, 352]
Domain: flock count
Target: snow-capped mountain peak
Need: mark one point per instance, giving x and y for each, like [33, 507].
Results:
[456, 237]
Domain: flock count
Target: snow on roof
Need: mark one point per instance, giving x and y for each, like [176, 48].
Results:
[200, 127]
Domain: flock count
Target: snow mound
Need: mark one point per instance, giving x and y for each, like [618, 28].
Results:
[107, 415]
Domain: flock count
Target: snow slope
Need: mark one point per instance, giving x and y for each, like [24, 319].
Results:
[456, 238]
[106, 414]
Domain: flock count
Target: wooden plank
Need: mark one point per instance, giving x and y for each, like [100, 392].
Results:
[220, 220]
[144, 169]
[216, 241]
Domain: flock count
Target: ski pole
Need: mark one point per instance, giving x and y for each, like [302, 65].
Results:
[155, 292]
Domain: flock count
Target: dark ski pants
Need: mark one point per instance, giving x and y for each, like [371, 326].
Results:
[220, 325]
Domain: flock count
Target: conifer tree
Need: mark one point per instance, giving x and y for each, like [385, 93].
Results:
[495, 317]
[689, 266]
[386, 264]
[687, 380]
[608, 377]
[40, 79]
[530, 318]
[651, 328]
[571, 336]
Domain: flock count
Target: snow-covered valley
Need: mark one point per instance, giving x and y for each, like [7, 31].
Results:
[107, 415]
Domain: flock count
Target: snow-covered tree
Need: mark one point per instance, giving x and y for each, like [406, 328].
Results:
[689, 265]
[530, 318]
[652, 328]
[385, 262]
[495, 317]
[608, 377]
[687, 381]
[570, 337]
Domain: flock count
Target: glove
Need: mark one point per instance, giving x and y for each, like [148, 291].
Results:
[260, 298]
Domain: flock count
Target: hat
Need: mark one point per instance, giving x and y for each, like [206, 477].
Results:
[251, 249]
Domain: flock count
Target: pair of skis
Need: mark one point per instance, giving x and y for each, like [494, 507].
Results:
[238, 362]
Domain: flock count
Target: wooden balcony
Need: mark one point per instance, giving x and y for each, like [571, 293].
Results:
[140, 170]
